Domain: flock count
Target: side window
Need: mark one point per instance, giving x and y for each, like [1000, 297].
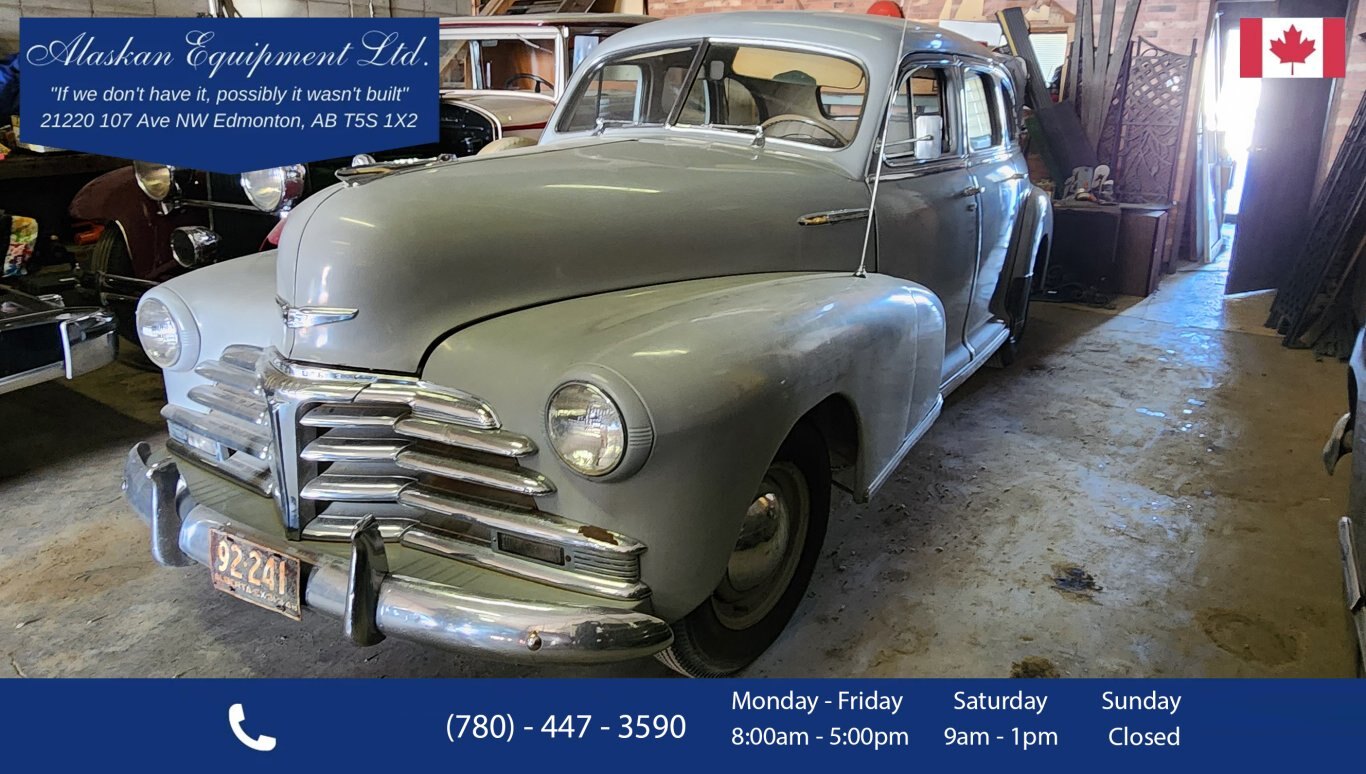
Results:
[635, 89]
[1008, 102]
[982, 116]
[615, 94]
[918, 126]
[694, 110]
[797, 96]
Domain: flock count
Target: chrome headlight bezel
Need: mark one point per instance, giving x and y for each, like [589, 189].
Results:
[156, 181]
[162, 313]
[275, 188]
[636, 426]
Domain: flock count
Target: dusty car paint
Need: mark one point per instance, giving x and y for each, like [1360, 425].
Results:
[708, 279]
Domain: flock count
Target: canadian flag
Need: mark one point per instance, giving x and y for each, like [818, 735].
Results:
[1293, 48]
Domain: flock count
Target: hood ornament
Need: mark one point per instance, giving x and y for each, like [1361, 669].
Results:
[310, 316]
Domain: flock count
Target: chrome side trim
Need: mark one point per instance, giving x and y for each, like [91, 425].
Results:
[310, 316]
[831, 217]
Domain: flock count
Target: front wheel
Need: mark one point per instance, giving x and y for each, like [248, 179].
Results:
[769, 569]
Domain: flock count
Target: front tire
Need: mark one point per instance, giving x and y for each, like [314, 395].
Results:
[769, 569]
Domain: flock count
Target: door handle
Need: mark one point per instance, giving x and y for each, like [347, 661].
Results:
[971, 190]
[1017, 176]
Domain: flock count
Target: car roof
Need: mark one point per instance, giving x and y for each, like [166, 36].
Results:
[548, 20]
[871, 35]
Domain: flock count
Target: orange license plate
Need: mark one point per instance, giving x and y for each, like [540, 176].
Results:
[254, 573]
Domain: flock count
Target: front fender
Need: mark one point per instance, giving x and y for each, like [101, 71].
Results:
[231, 303]
[724, 368]
[114, 197]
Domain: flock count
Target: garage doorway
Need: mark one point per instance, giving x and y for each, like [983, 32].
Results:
[1284, 140]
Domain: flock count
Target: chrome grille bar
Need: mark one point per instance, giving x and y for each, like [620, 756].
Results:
[499, 442]
[541, 526]
[431, 464]
[525, 483]
[231, 401]
[352, 416]
[233, 433]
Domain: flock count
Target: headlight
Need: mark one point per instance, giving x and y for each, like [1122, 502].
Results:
[271, 189]
[586, 429]
[168, 335]
[155, 180]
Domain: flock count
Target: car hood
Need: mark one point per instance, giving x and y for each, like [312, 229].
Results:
[420, 253]
[512, 110]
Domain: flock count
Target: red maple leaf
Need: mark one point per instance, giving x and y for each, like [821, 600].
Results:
[1292, 48]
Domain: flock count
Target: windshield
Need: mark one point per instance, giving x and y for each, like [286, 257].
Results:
[518, 63]
[816, 99]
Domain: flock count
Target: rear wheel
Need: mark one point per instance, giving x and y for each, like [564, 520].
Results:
[769, 569]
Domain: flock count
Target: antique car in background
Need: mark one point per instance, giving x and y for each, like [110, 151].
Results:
[1349, 437]
[602, 418]
[500, 79]
[42, 340]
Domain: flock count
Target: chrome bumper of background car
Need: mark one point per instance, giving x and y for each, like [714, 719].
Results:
[88, 341]
[407, 608]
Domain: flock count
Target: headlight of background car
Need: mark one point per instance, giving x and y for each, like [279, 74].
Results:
[586, 429]
[168, 336]
[155, 180]
[275, 188]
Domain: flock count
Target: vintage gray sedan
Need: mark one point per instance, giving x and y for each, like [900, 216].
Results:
[586, 402]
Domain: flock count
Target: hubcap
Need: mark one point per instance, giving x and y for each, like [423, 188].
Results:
[765, 558]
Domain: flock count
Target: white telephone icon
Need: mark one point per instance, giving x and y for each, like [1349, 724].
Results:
[236, 715]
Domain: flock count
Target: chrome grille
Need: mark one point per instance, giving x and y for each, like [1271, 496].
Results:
[233, 436]
[433, 466]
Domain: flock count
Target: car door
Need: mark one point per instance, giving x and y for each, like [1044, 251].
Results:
[926, 217]
[998, 175]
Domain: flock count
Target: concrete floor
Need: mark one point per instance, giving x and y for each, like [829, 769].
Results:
[1139, 495]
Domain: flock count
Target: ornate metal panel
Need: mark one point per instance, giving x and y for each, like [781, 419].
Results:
[1150, 127]
[1304, 306]
[1107, 149]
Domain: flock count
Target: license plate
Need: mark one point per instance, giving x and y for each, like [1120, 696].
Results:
[254, 573]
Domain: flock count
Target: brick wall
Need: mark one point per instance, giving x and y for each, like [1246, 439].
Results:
[11, 10]
[1350, 90]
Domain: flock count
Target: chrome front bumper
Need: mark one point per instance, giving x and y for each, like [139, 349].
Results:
[373, 603]
[89, 340]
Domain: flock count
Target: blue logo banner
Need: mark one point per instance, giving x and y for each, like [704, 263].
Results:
[679, 725]
[229, 95]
